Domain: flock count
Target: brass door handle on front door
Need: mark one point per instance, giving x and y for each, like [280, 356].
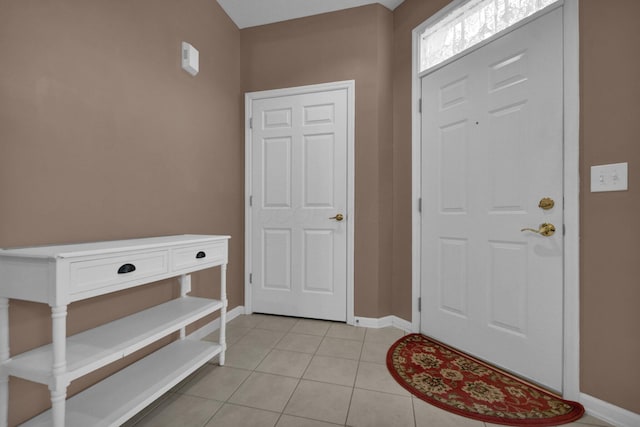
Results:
[338, 217]
[546, 229]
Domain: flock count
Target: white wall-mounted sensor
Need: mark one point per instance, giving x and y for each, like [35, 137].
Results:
[190, 59]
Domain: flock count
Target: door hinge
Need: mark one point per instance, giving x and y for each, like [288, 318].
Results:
[419, 304]
[250, 122]
[420, 105]
[420, 204]
[564, 230]
[250, 277]
[250, 200]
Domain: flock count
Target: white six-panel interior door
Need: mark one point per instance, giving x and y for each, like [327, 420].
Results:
[492, 149]
[299, 204]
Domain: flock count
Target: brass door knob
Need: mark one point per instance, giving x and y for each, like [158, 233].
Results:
[546, 229]
[338, 217]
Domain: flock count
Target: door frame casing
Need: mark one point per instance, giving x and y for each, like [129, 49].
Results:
[571, 177]
[249, 97]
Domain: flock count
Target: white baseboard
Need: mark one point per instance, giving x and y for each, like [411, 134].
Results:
[383, 322]
[612, 414]
[211, 327]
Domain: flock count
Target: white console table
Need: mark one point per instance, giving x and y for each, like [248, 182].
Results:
[60, 275]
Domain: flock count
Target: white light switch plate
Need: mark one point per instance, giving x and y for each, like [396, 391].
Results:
[609, 177]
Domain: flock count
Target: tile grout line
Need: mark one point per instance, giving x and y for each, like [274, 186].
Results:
[413, 409]
[353, 390]
[297, 384]
[355, 379]
[313, 355]
[226, 402]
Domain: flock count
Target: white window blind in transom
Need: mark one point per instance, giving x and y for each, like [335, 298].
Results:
[471, 23]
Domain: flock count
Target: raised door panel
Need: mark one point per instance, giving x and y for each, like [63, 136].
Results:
[453, 167]
[319, 171]
[507, 157]
[277, 119]
[452, 276]
[276, 259]
[318, 261]
[276, 170]
[507, 295]
[319, 114]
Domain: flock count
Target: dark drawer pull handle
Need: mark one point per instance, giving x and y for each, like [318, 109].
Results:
[127, 268]
[201, 255]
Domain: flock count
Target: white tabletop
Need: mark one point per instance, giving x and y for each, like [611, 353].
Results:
[95, 248]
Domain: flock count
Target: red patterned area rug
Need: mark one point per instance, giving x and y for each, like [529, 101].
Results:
[458, 383]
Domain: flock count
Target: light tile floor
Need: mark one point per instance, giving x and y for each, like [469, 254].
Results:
[288, 372]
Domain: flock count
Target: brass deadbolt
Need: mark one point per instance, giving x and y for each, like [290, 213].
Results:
[546, 203]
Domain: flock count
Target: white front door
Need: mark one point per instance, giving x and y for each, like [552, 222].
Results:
[492, 144]
[299, 205]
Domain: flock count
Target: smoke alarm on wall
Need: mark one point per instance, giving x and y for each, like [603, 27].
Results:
[190, 59]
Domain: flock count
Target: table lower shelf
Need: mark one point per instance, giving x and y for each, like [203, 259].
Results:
[97, 347]
[122, 395]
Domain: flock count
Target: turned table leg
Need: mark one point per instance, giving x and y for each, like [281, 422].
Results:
[58, 387]
[185, 288]
[223, 311]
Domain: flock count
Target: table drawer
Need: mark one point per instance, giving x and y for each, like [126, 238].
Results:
[105, 272]
[186, 258]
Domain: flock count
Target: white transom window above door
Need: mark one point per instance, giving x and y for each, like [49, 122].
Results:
[469, 22]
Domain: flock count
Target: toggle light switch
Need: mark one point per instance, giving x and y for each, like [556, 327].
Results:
[609, 177]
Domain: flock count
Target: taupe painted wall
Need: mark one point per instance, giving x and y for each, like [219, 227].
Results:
[609, 230]
[354, 44]
[103, 136]
[406, 17]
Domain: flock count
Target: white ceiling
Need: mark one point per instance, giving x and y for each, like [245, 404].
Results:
[250, 13]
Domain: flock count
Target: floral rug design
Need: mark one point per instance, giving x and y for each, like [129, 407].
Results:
[463, 385]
